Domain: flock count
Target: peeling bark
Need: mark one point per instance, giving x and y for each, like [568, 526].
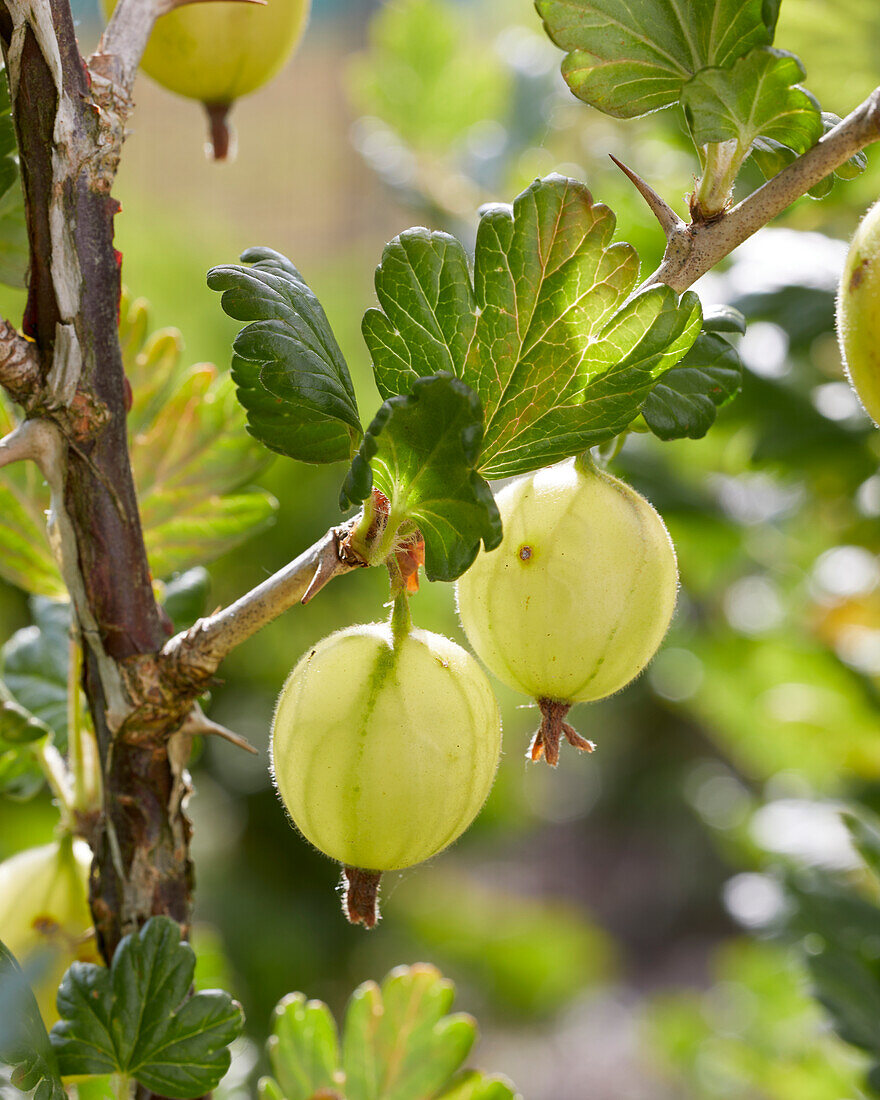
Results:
[65, 137]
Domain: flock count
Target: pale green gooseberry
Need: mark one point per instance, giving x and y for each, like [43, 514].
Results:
[384, 748]
[44, 915]
[577, 598]
[858, 312]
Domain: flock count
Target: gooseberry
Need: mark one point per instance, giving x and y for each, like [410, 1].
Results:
[218, 52]
[384, 748]
[578, 596]
[858, 312]
[44, 915]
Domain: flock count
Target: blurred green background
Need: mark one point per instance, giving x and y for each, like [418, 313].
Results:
[593, 917]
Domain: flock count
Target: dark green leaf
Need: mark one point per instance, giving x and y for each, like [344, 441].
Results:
[421, 451]
[17, 725]
[24, 1044]
[756, 97]
[303, 1050]
[724, 319]
[424, 287]
[399, 1043]
[292, 377]
[34, 665]
[684, 402]
[137, 1019]
[631, 58]
[21, 777]
[186, 596]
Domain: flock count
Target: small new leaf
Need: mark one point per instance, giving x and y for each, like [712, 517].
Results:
[629, 59]
[291, 375]
[24, 1044]
[303, 1049]
[421, 451]
[399, 1041]
[684, 402]
[137, 1018]
[756, 97]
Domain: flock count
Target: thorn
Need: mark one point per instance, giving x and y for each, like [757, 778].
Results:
[331, 565]
[669, 221]
[197, 722]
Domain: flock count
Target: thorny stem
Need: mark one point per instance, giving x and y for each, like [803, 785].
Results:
[192, 657]
[694, 249]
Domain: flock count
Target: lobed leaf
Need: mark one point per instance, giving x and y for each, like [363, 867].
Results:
[684, 402]
[24, 1044]
[627, 59]
[756, 97]
[421, 451]
[545, 335]
[137, 1019]
[292, 377]
[399, 1041]
[429, 314]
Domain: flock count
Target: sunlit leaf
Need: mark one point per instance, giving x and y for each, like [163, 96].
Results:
[399, 1041]
[631, 58]
[756, 97]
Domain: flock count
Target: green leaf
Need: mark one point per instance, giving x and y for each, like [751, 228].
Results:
[627, 59]
[684, 402]
[24, 1044]
[399, 1041]
[421, 452]
[17, 725]
[25, 558]
[753, 98]
[303, 1050]
[473, 1085]
[190, 460]
[771, 157]
[190, 455]
[724, 319]
[424, 288]
[546, 337]
[34, 665]
[185, 596]
[14, 254]
[137, 1018]
[288, 356]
